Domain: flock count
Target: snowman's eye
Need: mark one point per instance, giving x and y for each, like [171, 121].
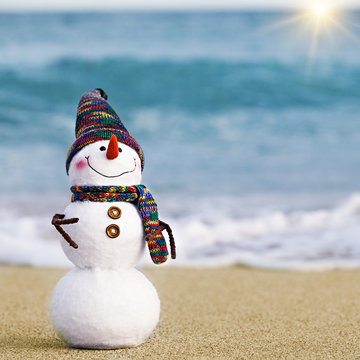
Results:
[103, 148]
[120, 150]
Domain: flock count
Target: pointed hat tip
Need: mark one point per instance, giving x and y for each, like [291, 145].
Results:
[102, 93]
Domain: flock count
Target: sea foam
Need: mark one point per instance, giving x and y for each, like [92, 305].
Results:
[207, 234]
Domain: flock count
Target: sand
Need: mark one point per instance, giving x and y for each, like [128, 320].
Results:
[209, 313]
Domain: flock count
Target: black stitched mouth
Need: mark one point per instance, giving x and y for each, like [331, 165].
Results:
[110, 176]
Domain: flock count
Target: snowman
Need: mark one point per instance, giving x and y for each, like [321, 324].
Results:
[104, 302]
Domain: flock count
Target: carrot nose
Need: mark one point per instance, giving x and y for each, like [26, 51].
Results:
[113, 148]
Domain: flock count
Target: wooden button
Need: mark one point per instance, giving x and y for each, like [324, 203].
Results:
[114, 212]
[113, 231]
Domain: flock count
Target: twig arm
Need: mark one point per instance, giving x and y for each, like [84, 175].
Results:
[57, 221]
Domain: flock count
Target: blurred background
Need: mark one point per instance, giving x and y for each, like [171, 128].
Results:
[248, 115]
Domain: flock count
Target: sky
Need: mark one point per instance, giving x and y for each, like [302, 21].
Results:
[48, 5]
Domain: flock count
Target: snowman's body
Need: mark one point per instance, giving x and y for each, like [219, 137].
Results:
[98, 308]
[97, 249]
[104, 302]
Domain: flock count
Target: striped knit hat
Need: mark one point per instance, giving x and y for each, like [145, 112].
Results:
[96, 120]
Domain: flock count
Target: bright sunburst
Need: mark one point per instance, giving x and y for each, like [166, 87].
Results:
[321, 19]
[320, 11]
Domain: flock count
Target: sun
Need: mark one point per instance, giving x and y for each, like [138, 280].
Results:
[320, 12]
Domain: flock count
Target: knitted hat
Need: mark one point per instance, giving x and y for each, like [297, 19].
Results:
[96, 120]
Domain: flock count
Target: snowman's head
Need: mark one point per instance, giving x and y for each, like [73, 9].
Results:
[104, 153]
[105, 162]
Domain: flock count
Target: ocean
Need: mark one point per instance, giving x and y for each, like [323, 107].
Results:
[249, 124]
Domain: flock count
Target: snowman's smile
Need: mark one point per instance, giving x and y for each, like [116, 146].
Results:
[110, 176]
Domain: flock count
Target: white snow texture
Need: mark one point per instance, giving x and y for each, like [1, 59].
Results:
[104, 303]
[104, 309]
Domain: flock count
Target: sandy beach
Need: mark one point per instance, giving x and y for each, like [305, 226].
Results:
[208, 313]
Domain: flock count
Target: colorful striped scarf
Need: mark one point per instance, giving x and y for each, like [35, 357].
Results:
[142, 198]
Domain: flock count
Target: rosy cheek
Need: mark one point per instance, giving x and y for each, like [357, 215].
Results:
[80, 164]
[138, 164]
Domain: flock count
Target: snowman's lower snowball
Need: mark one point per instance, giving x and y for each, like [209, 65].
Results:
[104, 309]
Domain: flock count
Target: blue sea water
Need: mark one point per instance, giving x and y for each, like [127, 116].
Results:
[250, 129]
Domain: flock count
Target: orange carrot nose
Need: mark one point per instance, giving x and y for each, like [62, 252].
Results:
[113, 148]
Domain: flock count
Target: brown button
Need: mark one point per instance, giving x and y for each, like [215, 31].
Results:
[114, 212]
[113, 231]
